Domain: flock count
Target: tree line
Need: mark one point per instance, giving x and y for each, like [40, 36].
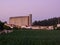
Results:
[47, 22]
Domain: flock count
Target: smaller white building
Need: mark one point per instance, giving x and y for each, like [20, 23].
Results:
[50, 28]
[58, 25]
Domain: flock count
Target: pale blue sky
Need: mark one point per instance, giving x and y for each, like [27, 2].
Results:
[40, 9]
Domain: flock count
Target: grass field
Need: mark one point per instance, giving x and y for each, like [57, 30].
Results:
[31, 37]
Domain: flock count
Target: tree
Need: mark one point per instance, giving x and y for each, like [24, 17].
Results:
[1, 25]
[47, 22]
[35, 23]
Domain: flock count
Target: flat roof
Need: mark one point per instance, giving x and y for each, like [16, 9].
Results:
[19, 17]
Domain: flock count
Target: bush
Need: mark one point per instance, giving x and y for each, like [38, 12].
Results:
[58, 28]
[15, 28]
[7, 27]
[1, 25]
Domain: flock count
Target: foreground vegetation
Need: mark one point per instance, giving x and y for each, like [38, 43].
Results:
[31, 37]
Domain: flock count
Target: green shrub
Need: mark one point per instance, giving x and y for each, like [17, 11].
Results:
[1, 25]
[15, 28]
[7, 27]
[58, 28]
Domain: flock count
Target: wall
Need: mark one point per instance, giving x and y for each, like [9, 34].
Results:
[21, 20]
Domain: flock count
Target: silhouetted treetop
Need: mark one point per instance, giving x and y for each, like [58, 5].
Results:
[47, 22]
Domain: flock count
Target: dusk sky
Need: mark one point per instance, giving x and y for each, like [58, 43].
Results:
[40, 9]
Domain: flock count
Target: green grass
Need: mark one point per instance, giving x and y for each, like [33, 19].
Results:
[31, 37]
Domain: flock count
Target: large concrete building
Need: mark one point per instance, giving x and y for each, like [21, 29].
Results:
[21, 20]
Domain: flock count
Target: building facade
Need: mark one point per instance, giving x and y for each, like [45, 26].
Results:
[21, 20]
